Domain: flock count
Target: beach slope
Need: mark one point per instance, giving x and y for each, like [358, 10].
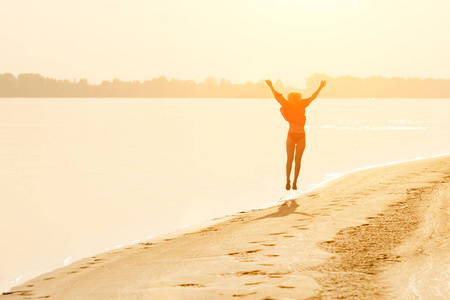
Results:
[377, 233]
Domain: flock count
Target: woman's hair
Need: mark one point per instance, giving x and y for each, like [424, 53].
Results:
[294, 96]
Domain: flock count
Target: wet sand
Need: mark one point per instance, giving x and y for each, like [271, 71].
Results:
[376, 233]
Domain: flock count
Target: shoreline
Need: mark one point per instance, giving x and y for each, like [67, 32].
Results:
[210, 221]
[227, 239]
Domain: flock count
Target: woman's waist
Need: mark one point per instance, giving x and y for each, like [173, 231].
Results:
[296, 128]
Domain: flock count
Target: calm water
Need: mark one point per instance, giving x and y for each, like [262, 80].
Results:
[78, 176]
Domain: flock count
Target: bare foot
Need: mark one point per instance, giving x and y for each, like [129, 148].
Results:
[294, 186]
[288, 185]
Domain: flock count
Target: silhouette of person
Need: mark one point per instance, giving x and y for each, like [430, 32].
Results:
[293, 111]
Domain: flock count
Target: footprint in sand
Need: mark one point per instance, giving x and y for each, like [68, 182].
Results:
[48, 278]
[269, 245]
[193, 285]
[253, 251]
[286, 287]
[277, 233]
[246, 252]
[250, 273]
[146, 244]
[20, 293]
[300, 227]
[272, 255]
[254, 283]
[243, 295]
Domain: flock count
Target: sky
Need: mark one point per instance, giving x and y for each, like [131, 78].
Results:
[240, 40]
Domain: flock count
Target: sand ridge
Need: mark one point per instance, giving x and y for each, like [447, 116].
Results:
[317, 246]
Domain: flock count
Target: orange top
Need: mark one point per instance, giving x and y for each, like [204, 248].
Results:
[295, 116]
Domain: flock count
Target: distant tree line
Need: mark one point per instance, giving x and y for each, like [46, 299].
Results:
[380, 87]
[35, 85]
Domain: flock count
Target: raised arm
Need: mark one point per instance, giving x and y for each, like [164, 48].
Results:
[314, 96]
[279, 97]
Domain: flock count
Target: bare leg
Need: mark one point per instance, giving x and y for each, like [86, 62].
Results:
[290, 147]
[298, 160]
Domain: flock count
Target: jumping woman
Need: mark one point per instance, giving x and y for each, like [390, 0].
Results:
[293, 111]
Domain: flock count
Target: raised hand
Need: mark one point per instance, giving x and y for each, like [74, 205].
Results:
[269, 83]
[323, 83]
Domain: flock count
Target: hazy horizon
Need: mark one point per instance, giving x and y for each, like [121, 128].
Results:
[38, 86]
[238, 40]
[300, 84]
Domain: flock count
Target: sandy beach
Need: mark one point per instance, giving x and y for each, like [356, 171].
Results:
[377, 233]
